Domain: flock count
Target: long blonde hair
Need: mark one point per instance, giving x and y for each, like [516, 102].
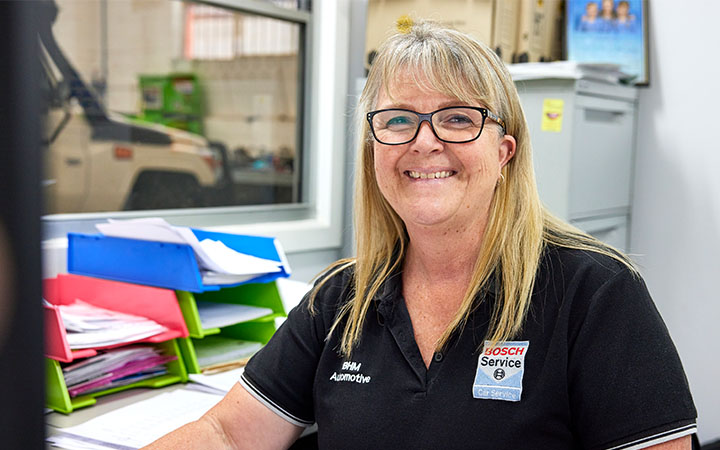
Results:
[518, 228]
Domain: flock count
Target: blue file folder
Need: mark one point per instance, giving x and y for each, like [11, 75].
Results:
[162, 264]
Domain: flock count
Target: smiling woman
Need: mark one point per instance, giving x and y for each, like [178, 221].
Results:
[470, 317]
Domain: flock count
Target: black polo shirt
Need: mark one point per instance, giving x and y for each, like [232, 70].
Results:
[593, 368]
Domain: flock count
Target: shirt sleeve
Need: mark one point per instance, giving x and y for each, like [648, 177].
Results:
[626, 383]
[281, 375]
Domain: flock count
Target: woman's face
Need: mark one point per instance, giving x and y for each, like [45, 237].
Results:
[607, 7]
[429, 182]
[591, 10]
[622, 10]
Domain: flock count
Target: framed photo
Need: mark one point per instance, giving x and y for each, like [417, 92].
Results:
[609, 31]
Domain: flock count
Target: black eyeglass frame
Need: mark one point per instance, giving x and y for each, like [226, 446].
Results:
[427, 117]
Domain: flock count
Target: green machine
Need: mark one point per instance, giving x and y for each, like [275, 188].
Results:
[174, 100]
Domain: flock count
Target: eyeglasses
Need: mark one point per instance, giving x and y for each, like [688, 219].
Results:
[455, 125]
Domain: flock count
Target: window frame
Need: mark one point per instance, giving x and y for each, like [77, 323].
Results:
[316, 222]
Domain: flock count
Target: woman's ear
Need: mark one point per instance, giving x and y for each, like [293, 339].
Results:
[506, 149]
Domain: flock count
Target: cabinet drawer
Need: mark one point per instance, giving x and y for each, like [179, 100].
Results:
[611, 230]
[602, 156]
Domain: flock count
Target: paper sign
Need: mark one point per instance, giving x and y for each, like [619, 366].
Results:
[552, 115]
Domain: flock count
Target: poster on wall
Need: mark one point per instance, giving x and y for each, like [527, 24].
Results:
[609, 31]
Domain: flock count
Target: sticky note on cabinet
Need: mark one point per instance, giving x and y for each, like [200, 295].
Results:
[552, 114]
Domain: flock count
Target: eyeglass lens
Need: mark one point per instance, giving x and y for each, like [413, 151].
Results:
[396, 126]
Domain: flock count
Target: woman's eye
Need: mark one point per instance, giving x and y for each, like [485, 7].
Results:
[398, 121]
[457, 120]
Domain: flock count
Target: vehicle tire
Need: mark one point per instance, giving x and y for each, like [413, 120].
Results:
[161, 190]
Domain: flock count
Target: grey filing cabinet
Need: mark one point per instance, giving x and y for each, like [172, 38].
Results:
[584, 167]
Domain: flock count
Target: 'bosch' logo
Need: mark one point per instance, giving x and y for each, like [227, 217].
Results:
[499, 374]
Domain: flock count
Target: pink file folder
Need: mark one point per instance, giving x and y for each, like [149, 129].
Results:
[154, 303]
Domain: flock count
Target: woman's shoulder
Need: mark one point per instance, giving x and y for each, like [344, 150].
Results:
[591, 267]
[332, 286]
[589, 282]
[602, 259]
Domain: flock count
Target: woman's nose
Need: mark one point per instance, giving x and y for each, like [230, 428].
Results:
[426, 141]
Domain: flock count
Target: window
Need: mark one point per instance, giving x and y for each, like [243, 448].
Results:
[199, 113]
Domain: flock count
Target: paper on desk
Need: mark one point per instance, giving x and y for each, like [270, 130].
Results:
[292, 292]
[141, 423]
[222, 382]
[76, 443]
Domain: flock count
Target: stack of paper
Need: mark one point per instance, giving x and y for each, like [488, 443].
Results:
[219, 383]
[218, 350]
[89, 326]
[218, 263]
[218, 315]
[112, 368]
[607, 72]
[139, 424]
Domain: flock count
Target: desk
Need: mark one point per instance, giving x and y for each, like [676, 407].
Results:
[57, 421]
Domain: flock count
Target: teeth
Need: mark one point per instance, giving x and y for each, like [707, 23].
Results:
[433, 175]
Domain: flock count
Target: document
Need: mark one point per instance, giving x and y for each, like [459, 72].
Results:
[222, 382]
[141, 423]
[607, 72]
[115, 367]
[90, 326]
[215, 349]
[218, 315]
[218, 263]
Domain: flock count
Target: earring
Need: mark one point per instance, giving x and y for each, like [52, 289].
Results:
[501, 180]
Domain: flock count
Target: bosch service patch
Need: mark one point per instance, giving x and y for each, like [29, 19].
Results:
[500, 371]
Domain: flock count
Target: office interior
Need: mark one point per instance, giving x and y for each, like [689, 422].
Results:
[268, 150]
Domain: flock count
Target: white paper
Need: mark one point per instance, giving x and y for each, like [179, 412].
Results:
[222, 382]
[75, 443]
[568, 69]
[216, 349]
[227, 260]
[218, 315]
[149, 229]
[143, 422]
[91, 326]
[218, 263]
[292, 291]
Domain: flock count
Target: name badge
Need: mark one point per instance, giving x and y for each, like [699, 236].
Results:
[500, 371]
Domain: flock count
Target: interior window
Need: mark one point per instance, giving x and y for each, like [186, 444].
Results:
[169, 104]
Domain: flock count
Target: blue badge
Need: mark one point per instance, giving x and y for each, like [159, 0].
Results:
[500, 371]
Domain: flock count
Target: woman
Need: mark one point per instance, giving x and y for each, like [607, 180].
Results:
[471, 318]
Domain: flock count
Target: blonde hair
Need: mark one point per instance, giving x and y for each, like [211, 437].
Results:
[518, 228]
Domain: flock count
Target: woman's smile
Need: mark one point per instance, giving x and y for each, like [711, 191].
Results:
[429, 175]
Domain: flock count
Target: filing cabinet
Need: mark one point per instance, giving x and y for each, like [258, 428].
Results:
[583, 138]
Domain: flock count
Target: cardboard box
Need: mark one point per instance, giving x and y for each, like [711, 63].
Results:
[540, 27]
[505, 28]
[493, 22]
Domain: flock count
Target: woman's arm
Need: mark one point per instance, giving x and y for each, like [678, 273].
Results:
[239, 421]
[683, 443]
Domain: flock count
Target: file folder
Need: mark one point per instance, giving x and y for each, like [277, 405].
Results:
[161, 264]
[259, 330]
[58, 398]
[158, 304]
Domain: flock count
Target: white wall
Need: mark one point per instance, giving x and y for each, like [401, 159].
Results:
[676, 213]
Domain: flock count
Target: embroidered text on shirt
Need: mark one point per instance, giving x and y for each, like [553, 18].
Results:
[350, 366]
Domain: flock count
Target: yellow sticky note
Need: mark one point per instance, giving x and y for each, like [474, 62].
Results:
[552, 115]
[404, 24]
